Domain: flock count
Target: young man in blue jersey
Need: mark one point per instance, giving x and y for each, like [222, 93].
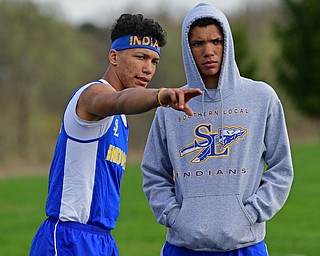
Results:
[91, 151]
[204, 175]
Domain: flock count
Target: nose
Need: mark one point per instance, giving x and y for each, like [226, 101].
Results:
[148, 68]
[208, 50]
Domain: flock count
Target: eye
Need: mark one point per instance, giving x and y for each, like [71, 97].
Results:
[155, 62]
[196, 43]
[217, 41]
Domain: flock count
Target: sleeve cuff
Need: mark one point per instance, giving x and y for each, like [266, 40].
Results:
[172, 216]
[253, 213]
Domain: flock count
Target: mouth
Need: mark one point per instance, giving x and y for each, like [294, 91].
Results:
[210, 64]
[142, 80]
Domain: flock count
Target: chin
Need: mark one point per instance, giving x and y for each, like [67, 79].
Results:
[212, 73]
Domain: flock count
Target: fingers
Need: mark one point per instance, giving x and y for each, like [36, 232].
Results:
[184, 95]
[191, 93]
[178, 98]
[188, 110]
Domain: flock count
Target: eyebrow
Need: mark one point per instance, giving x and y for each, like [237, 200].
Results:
[147, 55]
[201, 39]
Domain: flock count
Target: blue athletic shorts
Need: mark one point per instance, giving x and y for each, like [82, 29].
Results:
[57, 238]
[259, 249]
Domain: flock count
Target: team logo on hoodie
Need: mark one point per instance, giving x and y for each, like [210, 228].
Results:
[212, 144]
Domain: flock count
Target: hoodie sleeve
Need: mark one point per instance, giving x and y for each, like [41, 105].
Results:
[158, 181]
[278, 176]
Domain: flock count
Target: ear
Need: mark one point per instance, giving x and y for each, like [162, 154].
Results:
[113, 56]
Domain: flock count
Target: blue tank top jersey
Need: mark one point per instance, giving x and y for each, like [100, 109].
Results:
[85, 176]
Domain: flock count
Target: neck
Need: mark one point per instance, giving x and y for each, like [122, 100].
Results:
[211, 82]
[111, 77]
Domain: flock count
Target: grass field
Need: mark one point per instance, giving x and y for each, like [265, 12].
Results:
[294, 231]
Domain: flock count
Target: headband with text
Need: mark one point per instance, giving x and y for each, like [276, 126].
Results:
[135, 41]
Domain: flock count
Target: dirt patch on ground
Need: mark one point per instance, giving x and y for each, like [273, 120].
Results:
[18, 169]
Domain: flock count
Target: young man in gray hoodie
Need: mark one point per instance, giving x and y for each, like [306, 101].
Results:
[215, 178]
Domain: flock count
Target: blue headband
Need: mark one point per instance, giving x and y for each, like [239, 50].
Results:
[135, 41]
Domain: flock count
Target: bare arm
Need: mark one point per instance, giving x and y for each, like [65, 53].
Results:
[99, 101]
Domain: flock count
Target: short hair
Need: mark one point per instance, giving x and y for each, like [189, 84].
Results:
[136, 24]
[202, 22]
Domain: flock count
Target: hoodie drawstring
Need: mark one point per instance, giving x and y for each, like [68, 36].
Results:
[221, 136]
[202, 101]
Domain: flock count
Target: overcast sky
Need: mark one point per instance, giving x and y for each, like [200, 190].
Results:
[101, 11]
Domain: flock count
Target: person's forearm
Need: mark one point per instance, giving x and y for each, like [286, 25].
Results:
[135, 101]
[138, 100]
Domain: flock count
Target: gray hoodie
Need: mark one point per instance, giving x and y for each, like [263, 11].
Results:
[215, 178]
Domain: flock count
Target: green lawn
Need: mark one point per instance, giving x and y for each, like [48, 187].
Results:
[294, 231]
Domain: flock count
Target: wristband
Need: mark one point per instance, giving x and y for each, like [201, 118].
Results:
[160, 90]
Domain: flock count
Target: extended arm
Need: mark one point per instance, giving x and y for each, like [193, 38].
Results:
[100, 100]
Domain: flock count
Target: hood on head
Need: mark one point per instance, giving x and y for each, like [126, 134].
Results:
[229, 73]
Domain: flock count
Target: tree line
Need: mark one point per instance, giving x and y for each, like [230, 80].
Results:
[43, 60]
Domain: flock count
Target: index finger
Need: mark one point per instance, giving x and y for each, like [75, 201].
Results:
[191, 93]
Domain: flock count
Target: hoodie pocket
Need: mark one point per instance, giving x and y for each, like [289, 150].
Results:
[217, 222]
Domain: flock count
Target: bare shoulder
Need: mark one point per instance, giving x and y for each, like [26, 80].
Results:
[96, 88]
[88, 98]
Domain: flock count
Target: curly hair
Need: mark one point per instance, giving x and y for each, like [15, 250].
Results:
[137, 24]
